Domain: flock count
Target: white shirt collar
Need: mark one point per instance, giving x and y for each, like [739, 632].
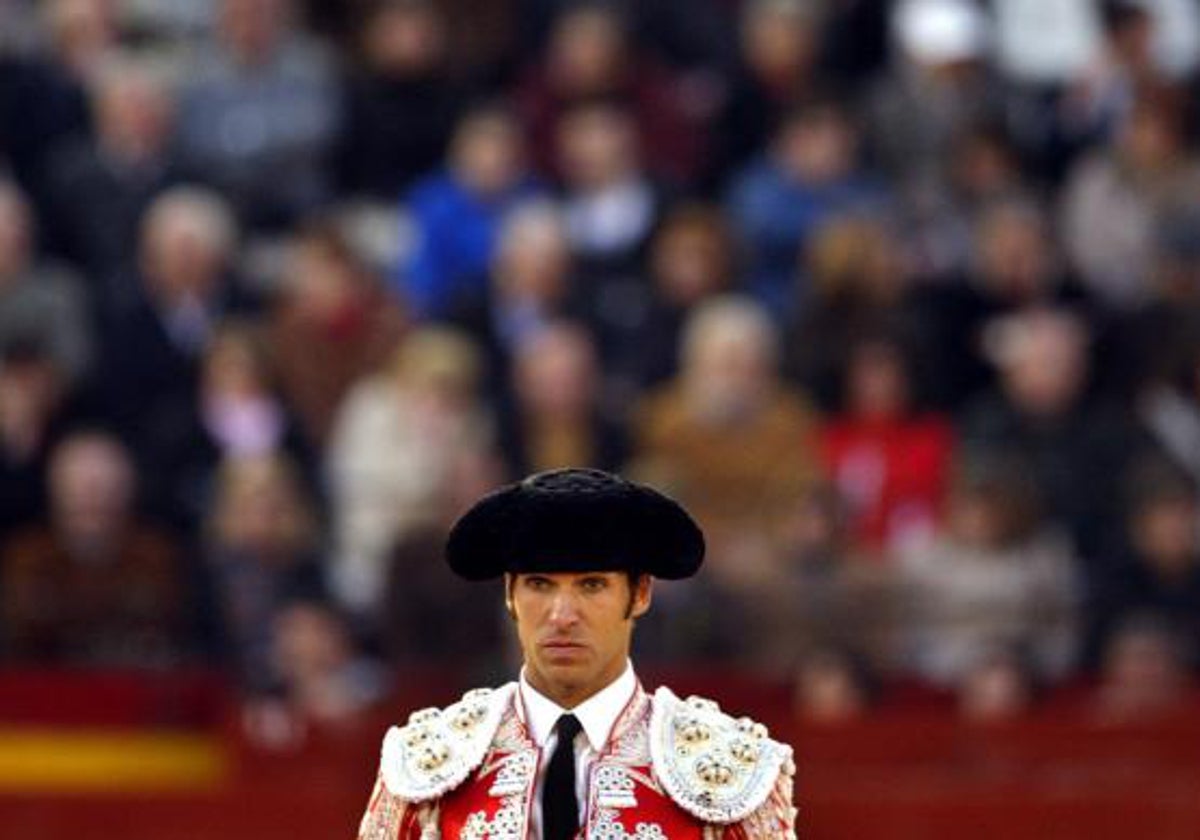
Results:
[598, 714]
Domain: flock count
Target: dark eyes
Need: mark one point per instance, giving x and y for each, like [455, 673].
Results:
[589, 585]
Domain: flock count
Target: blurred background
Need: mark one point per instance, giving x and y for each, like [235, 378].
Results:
[901, 299]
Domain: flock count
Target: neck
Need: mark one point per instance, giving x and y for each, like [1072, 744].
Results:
[570, 695]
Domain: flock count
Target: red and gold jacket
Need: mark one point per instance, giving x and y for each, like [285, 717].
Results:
[678, 769]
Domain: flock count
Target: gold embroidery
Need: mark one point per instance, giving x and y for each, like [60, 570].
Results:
[383, 816]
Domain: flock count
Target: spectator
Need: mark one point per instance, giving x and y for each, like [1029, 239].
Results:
[940, 213]
[1115, 197]
[258, 115]
[888, 458]
[808, 176]
[325, 679]
[558, 419]
[262, 551]
[730, 440]
[859, 286]
[609, 202]
[832, 688]
[590, 55]
[81, 34]
[401, 104]
[826, 593]
[776, 66]
[940, 83]
[42, 98]
[35, 410]
[40, 303]
[993, 575]
[531, 283]
[985, 165]
[99, 187]
[1015, 262]
[1150, 352]
[457, 213]
[159, 322]
[1160, 571]
[997, 687]
[1078, 446]
[691, 257]
[1139, 56]
[1101, 95]
[1145, 676]
[1015, 266]
[421, 592]
[697, 36]
[95, 585]
[236, 411]
[396, 445]
[331, 323]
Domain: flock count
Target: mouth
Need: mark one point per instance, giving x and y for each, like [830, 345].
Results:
[562, 644]
[563, 650]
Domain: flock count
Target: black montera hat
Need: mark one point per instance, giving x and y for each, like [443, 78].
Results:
[575, 520]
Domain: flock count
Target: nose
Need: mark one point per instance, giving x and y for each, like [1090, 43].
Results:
[564, 611]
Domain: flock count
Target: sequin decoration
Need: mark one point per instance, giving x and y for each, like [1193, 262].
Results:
[716, 768]
[607, 826]
[515, 774]
[508, 823]
[614, 787]
[439, 748]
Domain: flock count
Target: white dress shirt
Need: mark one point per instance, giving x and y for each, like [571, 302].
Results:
[597, 715]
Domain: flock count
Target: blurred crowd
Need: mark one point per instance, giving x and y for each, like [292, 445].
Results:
[901, 299]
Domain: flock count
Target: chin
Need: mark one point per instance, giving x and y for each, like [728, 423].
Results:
[574, 667]
[576, 672]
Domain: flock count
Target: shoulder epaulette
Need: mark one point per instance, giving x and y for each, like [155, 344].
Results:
[438, 749]
[716, 768]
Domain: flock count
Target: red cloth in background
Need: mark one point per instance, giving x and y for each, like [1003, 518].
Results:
[891, 473]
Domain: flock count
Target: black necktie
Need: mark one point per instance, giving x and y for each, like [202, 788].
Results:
[560, 810]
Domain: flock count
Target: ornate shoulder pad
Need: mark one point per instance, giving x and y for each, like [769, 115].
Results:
[714, 767]
[439, 748]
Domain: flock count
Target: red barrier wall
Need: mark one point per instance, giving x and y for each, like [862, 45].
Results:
[908, 772]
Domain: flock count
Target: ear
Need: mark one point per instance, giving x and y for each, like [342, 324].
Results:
[643, 594]
[509, 580]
